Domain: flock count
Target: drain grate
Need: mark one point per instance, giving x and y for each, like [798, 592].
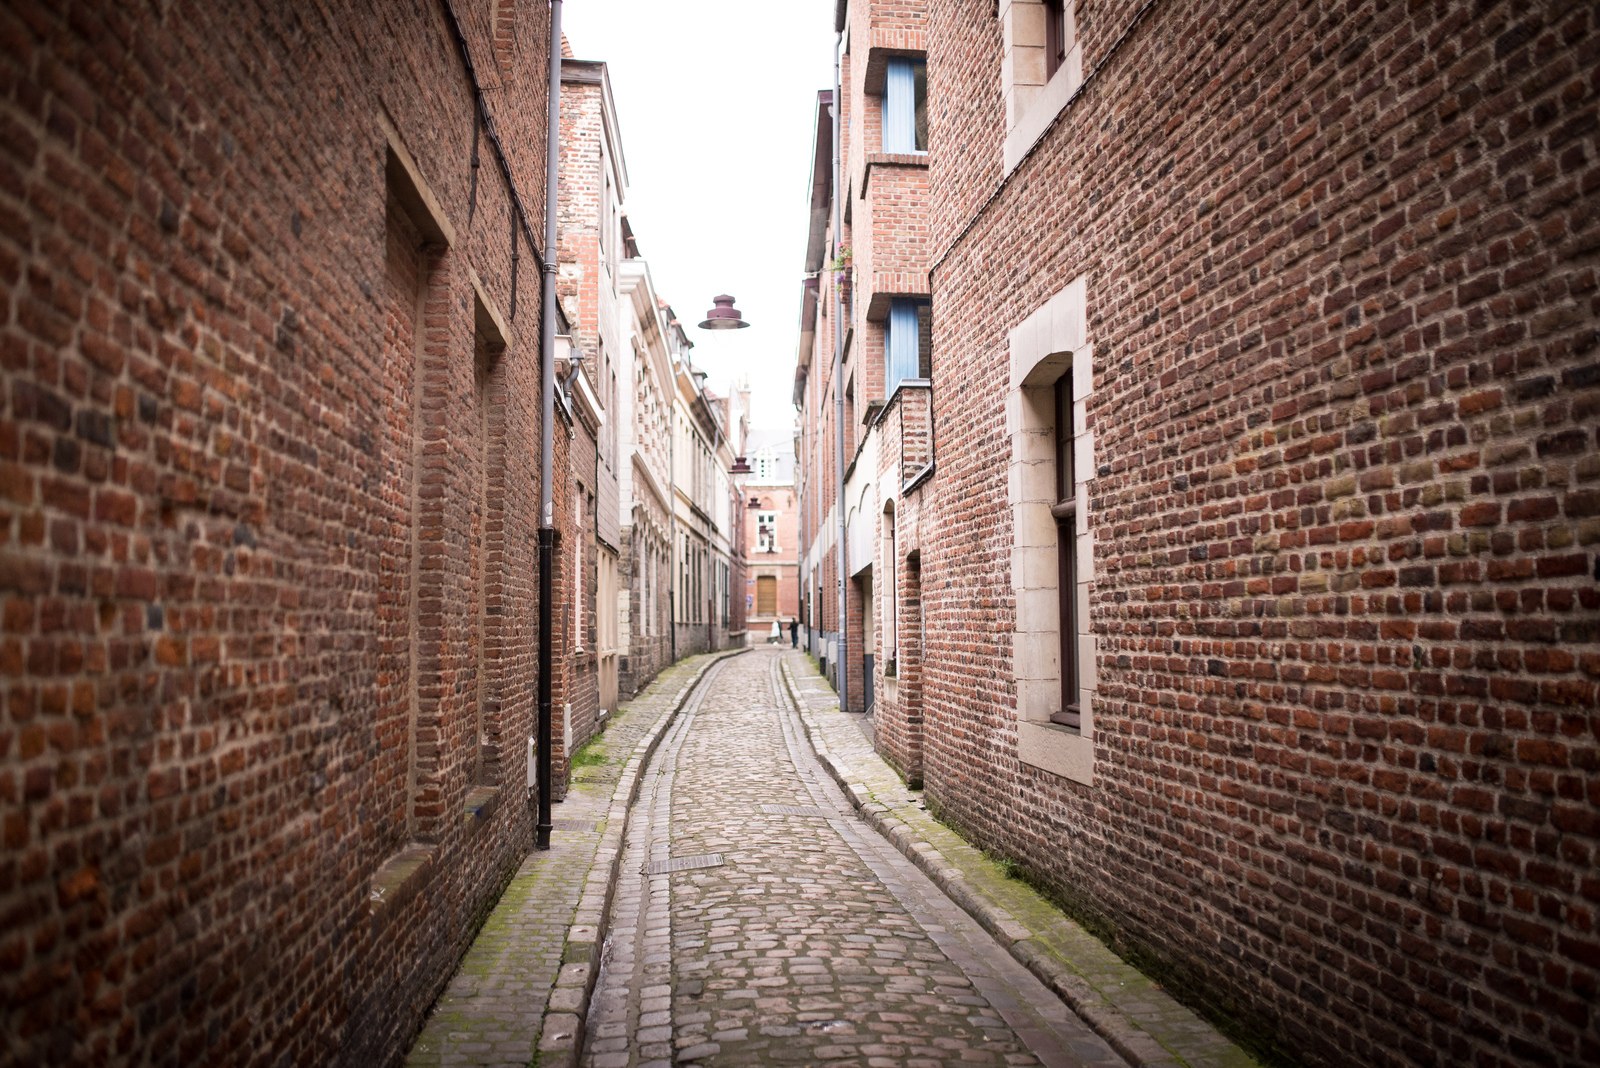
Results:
[704, 860]
[795, 810]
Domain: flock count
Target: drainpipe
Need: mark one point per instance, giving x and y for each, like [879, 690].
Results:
[842, 659]
[672, 521]
[547, 418]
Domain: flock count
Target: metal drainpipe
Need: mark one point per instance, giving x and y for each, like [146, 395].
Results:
[672, 520]
[547, 357]
[842, 660]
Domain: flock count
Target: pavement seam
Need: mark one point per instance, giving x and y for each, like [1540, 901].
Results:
[1140, 1048]
[580, 967]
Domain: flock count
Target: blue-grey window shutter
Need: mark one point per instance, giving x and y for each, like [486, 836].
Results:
[902, 341]
[900, 106]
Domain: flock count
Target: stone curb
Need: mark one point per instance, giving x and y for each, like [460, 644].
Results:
[1124, 1036]
[561, 1035]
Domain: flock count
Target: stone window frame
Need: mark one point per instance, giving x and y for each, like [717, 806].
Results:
[1032, 99]
[1045, 345]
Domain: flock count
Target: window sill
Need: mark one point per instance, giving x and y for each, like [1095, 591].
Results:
[883, 407]
[399, 878]
[482, 801]
[916, 160]
[1037, 117]
[1058, 750]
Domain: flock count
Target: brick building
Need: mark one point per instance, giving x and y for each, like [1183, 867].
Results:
[645, 418]
[772, 535]
[588, 568]
[1259, 565]
[707, 513]
[593, 250]
[269, 443]
[867, 297]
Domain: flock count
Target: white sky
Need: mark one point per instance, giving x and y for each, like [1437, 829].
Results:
[716, 104]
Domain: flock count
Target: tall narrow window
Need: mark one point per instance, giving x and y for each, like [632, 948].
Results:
[1065, 513]
[903, 339]
[905, 105]
[766, 532]
[1055, 36]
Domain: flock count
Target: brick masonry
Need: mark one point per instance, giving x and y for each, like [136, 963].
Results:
[1341, 292]
[268, 550]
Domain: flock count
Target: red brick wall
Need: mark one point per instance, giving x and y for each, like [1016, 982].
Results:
[903, 452]
[582, 700]
[1341, 265]
[578, 214]
[249, 546]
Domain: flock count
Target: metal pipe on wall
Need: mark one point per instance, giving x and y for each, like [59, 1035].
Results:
[841, 661]
[547, 358]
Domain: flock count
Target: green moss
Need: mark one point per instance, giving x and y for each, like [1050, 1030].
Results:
[1258, 1037]
[592, 754]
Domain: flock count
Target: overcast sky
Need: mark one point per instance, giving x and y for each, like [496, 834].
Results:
[716, 103]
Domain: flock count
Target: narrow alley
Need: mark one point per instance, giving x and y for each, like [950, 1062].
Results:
[758, 920]
[755, 916]
[875, 532]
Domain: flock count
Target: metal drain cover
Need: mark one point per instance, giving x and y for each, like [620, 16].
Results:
[795, 810]
[704, 860]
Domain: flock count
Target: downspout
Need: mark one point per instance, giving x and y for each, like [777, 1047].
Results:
[672, 522]
[842, 660]
[547, 418]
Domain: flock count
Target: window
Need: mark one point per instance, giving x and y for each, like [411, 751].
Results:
[766, 595]
[905, 105]
[1055, 36]
[1043, 69]
[766, 532]
[1049, 489]
[1065, 513]
[905, 343]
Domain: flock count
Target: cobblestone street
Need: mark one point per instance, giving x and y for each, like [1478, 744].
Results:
[760, 921]
[714, 897]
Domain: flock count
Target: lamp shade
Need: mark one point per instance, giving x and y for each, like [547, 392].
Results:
[723, 315]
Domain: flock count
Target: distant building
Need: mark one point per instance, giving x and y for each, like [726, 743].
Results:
[772, 535]
[645, 419]
[706, 524]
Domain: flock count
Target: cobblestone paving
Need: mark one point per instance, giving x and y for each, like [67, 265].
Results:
[1149, 1026]
[794, 934]
[491, 1012]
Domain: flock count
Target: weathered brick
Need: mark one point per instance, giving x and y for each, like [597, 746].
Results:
[1342, 359]
[227, 347]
